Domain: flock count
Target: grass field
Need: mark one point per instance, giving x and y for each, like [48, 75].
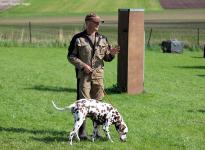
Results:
[73, 7]
[170, 114]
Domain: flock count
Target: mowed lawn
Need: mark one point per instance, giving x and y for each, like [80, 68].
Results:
[170, 114]
[73, 7]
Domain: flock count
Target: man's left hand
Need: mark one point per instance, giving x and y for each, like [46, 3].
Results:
[115, 50]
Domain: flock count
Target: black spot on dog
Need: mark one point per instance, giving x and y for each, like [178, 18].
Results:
[83, 101]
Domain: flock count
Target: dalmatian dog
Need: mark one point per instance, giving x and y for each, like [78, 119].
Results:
[100, 113]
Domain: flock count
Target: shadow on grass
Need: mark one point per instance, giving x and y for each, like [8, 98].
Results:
[50, 139]
[197, 57]
[191, 67]
[33, 131]
[111, 90]
[199, 110]
[54, 136]
[51, 88]
[201, 75]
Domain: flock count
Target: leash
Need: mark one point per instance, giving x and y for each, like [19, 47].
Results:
[105, 93]
[93, 48]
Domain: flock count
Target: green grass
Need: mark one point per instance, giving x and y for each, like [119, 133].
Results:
[73, 7]
[170, 114]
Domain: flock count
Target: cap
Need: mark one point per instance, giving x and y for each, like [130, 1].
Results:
[93, 17]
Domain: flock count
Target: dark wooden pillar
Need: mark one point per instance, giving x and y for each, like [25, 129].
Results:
[131, 57]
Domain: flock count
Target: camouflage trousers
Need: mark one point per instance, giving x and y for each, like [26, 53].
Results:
[90, 88]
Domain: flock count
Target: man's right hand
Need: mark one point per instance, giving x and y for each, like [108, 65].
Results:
[87, 69]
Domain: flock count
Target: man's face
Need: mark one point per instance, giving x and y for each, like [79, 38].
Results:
[92, 25]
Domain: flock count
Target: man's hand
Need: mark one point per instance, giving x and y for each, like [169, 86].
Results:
[115, 50]
[87, 69]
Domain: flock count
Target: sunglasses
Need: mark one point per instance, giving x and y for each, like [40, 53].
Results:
[97, 23]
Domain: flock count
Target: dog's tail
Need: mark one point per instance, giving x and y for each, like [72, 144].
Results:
[63, 109]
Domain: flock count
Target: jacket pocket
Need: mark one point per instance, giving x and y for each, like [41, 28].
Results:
[84, 50]
[98, 74]
[101, 49]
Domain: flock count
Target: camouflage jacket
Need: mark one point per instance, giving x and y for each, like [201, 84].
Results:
[82, 51]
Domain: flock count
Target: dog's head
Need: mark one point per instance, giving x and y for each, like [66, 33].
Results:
[122, 130]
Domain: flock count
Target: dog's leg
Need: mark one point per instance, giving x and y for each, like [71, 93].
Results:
[75, 131]
[76, 118]
[95, 128]
[71, 136]
[77, 137]
[78, 122]
[106, 129]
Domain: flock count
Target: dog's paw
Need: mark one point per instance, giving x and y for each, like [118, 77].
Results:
[70, 142]
[93, 139]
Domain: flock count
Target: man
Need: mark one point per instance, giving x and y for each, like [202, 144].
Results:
[86, 52]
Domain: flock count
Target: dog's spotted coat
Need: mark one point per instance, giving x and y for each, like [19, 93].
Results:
[101, 114]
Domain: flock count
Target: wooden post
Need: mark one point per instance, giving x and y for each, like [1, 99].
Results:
[131, 57]
[22, 35]
[60, 35]
[150, 34]
[204, 51]
[30, 36]
[198, 36]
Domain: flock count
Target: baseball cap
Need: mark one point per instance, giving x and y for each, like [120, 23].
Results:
[93, 17]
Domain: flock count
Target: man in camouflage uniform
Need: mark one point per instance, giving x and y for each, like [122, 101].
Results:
[86, 52]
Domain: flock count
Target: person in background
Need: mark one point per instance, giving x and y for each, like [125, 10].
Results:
[87, 52]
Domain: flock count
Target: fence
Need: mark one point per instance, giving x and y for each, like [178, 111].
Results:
[190, 37]
[60, 35]
[40, 35]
